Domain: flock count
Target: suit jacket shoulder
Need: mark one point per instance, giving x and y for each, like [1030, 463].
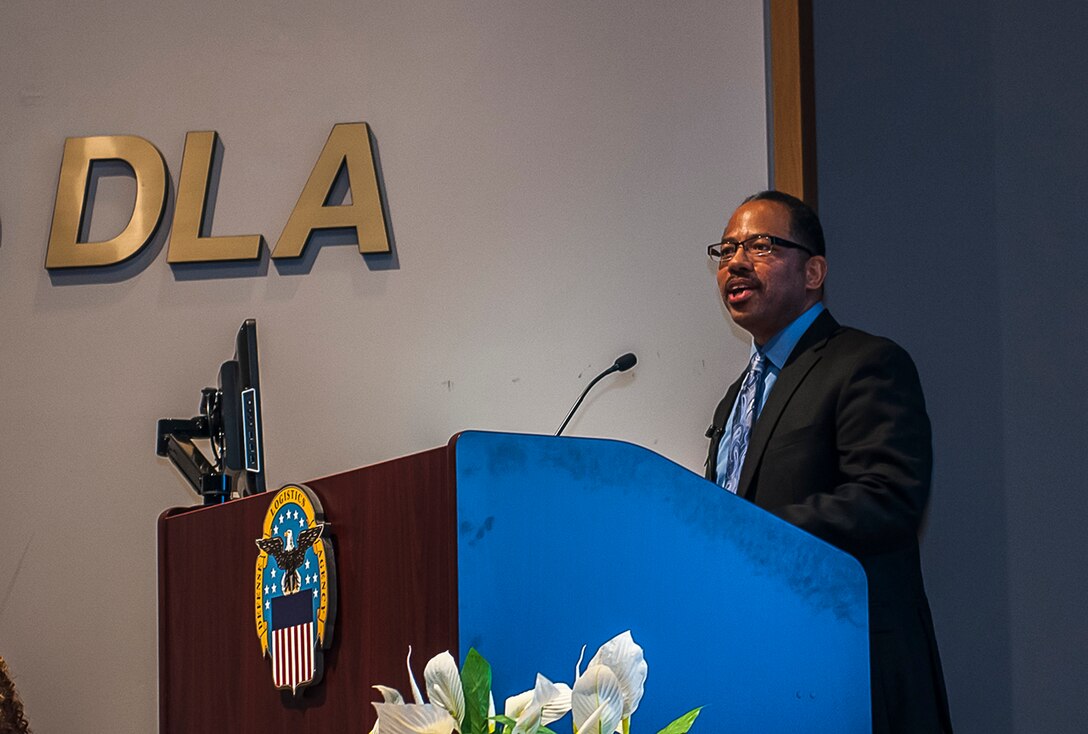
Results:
[842, 445]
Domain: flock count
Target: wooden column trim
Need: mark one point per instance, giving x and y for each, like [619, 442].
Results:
[792, 103]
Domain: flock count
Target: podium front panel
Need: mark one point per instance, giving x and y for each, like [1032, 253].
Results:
[565, 542]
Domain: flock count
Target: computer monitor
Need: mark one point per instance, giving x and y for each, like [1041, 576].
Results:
[230, 419]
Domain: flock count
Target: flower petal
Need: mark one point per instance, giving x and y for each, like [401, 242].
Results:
[416, 695]
[558, 705]
[444, 688]
[597, 700]
[389, 695]
[578, 665]
[515, 705]
[529, 721]
[624, 657]
[554, 699]
[414, 718]
[592, 722]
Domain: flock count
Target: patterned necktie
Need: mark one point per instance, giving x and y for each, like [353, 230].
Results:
[743, 417]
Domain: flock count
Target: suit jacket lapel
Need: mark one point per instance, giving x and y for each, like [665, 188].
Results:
[801, 361]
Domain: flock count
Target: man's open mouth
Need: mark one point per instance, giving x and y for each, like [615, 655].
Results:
[739, 292]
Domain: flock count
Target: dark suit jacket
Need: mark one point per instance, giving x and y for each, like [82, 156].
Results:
[842, 449]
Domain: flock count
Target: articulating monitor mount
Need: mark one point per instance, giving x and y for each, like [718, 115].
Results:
[175, 442]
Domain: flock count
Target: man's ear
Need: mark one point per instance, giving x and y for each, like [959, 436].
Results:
[815, 272]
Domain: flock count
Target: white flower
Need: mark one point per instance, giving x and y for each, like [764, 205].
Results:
[389, 695]
[597, 701]
[444, 688]
[529, 720]
[546, 703]
[414, 718]
[416, 695]
[602, 701]
[578, 665]
[624, 657]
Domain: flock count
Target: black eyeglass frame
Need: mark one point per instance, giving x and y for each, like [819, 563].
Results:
[714, 250]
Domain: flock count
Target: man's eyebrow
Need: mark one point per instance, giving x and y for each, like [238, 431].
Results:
[752, 236]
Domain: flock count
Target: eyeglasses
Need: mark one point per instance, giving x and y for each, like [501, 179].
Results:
[758, 245]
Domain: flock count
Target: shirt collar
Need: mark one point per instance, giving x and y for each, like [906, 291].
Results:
[779, 347]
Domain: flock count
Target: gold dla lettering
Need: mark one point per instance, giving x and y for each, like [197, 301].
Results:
[348, 152]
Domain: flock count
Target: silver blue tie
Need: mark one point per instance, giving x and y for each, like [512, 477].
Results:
[743, 417]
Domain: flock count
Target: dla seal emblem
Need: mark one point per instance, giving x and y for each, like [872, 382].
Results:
[295, 589]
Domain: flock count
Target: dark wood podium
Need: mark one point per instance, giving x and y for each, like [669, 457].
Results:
[393, 531]
[526, 547]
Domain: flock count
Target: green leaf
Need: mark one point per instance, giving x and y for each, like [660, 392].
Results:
[683, 724]
[507, 723]
[544, 730]
[476, 680]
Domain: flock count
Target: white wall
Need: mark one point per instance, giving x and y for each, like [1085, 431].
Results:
[552, 168]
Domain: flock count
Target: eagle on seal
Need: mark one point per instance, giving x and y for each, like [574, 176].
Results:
[290, 556]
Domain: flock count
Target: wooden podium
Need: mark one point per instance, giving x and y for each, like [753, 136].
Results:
[527, 548]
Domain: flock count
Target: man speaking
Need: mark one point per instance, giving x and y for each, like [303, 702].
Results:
[827, 429]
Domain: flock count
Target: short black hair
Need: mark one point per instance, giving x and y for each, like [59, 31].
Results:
[804, 223]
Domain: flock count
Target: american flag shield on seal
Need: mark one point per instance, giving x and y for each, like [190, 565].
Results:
[295, 588]
[292, 641]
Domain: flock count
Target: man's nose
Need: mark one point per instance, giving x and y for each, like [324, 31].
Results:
[740, 262]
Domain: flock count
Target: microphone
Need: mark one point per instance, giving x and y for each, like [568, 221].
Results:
[623, 363]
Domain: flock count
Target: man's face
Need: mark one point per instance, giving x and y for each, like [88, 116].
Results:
[765, 294]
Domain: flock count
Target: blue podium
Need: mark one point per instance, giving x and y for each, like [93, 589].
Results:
[563, 542]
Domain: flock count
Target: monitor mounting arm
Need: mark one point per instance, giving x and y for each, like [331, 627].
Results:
[174, 440]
